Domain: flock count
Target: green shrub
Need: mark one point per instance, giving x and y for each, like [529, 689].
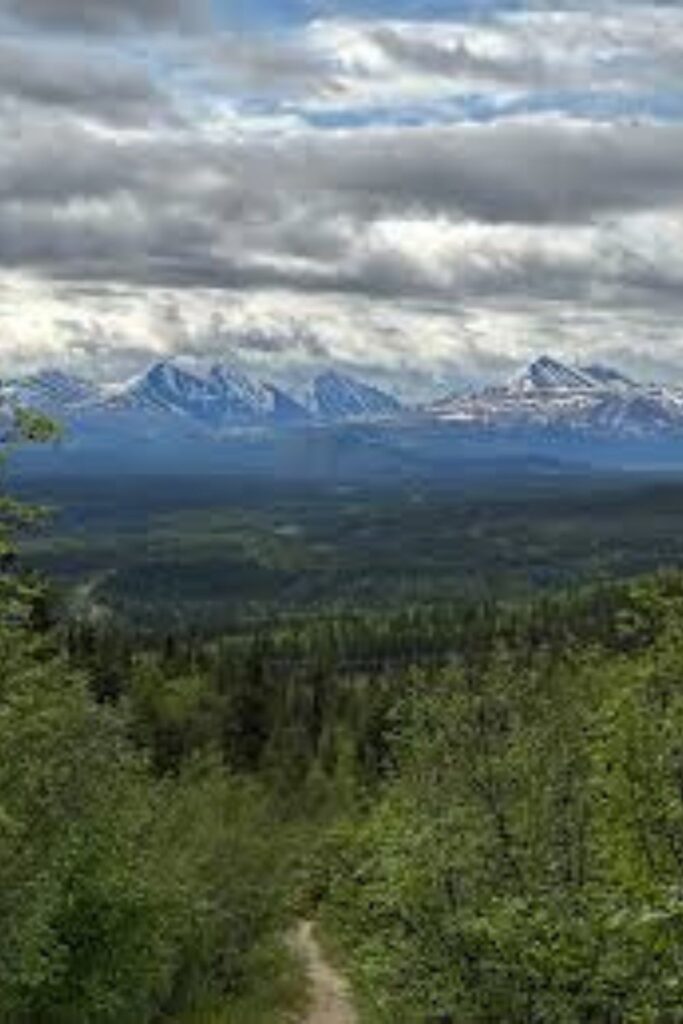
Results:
[122, 896]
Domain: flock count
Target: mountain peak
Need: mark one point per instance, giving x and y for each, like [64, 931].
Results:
[338, 396]
[607, 376]
[218, 396]
[255, 399]
[549, 374]
[50, 390]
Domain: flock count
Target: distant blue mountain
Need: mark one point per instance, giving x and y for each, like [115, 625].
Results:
[49, 391]
[555, 400]
[223, 397]
[338, 397]
[170, 395]
[174, 402]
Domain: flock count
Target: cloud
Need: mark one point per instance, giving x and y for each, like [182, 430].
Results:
[422, 347]
[286, 65]
[548, 49]
[564, 53]
[455, 57]
[160, 194]
[106, 16]
[527, 171]
[511, 208]
[103, 85]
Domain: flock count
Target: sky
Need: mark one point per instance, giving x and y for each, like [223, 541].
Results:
[425, 192]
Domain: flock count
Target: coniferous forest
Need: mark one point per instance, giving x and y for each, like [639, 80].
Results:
[479, 802]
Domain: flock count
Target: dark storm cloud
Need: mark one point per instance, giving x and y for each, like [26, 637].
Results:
[173, 209]
[99, 85]
[542, 172]
[105, 16]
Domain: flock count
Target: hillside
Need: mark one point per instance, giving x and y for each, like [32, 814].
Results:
[478, 803]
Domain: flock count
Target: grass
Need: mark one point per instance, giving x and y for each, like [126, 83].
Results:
[276, 994]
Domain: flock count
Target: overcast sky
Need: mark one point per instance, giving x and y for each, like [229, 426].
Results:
[423, 191]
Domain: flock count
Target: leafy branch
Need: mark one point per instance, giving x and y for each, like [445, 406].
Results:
[19, 591]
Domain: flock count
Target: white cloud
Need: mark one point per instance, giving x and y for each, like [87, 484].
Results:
[177, 196]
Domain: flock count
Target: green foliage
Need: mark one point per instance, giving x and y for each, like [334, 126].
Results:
[139, 880]
[75, 905]
[494, 833]
[20, 592]
[274, 992]
[122, 896]
[32, 427]
[525, 862]
[482, 800]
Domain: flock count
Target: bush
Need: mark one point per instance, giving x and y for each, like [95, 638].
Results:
[122, 896]
[525, 863]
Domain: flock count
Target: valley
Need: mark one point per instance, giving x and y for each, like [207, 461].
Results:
[220, 550]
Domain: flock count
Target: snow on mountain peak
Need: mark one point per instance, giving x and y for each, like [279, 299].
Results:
[193, 395]
[548, 374]
[167, 387]
[249, 395]
[549, 396]
[218, 396]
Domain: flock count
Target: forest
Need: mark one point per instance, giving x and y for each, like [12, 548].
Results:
[479, 801]
[219, 552]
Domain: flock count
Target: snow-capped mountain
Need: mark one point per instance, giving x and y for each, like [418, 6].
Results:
[337, 396]
[552, 397]
[167, 388]
[175, 399]
[214, 397]
[549, 375]
[221, 397]
[243, 397]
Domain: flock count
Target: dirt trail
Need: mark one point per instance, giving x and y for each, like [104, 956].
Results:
[330, 996]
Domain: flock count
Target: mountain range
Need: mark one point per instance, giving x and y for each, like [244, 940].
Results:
[218, 399]
[547, 397]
